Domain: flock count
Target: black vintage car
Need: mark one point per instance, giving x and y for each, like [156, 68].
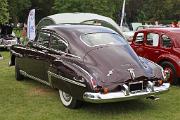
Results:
[87, 63]
[7, 36]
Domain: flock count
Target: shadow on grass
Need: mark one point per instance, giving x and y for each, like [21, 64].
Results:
[105, 108]
[119, 107]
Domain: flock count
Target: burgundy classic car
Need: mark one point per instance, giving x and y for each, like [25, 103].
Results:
[87, 63]
[161, 45]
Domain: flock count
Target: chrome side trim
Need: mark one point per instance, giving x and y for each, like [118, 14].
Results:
[34, 78]
[83, 70]
[16, 54]
[66, 79]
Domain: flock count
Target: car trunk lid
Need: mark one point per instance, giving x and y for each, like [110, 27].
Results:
[114, 64]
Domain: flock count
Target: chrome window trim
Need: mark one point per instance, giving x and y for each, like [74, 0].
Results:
[53, 33]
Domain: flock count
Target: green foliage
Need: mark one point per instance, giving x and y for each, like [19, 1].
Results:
[102, 7]
[4, 14]
[43, 8]
[158, 10]
[17, 9]
[136, 10]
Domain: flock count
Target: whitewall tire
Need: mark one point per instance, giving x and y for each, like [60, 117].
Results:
[68, 101]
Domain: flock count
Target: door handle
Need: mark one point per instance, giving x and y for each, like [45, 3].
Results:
[157, 52]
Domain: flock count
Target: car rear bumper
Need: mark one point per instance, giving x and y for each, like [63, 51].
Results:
[122, 95]
[7, 43]
[4, 46]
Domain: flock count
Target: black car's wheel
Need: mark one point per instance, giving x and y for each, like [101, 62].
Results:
[18, 75]
[68, 101]
[170, 67]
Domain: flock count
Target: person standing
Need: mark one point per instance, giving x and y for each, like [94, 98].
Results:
[174, 24]
[24, 33]
[178, 24]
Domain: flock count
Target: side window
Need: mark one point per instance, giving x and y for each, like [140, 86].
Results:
[58, 44]
[139, 38]
[48, 22]
[152, 39]
[43, 39]
[166, 41]
[44, 22]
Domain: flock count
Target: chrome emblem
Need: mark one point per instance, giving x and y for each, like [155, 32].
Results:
[110, 72]
[132, 74]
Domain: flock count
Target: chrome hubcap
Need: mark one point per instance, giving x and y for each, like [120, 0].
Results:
[170, 78]
[66, 97]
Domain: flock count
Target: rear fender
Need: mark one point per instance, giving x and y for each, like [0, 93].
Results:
[172, 59]
[70, 85]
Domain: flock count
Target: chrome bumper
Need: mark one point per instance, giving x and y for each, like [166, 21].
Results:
[5, 46]
[125, 95]
[8, 43]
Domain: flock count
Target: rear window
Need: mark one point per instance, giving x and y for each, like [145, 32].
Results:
[96, 39]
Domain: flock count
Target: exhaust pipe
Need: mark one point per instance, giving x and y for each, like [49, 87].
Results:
[153, 97]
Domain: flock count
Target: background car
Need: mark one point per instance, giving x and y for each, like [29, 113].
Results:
[87, 63]
[162, 46]
[7, 37]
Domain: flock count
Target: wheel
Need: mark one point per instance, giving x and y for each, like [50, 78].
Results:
[18, 75]
[171, 69]
[68, 101]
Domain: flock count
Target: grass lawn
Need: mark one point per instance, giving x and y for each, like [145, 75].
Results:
[30, 100]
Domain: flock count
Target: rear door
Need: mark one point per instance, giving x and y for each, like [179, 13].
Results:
[36, 56]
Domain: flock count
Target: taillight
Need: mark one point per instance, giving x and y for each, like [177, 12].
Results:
[105, 90]
[93, 82]
[97, 88]
[159, 82]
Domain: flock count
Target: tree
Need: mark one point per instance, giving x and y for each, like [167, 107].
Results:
[158, 10]
[103, 7]
[19, 10]
[43, 8]
[4, 14]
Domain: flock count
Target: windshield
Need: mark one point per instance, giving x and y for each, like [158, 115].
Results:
[96, 39]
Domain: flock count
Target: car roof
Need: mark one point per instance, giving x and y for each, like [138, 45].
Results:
[80, 29]
[168, 29]
[175, 32]
[72, 34]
